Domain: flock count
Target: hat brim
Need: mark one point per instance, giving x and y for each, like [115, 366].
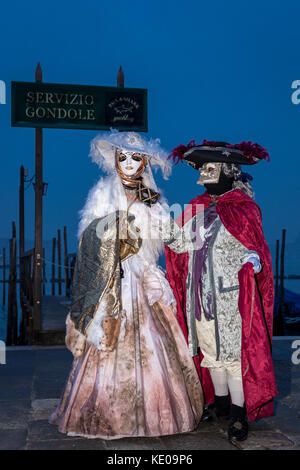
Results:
[105, 148]
[197, 156]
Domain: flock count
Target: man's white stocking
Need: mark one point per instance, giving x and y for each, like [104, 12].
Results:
[219, 379]
[236, 390]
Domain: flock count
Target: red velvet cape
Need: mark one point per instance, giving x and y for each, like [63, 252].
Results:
[242, 218]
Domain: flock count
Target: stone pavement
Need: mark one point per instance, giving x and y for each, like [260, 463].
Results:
[32, 380]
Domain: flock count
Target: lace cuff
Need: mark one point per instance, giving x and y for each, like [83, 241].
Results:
[252, 257]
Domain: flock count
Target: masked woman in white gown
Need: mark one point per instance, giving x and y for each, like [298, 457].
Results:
[132, 374]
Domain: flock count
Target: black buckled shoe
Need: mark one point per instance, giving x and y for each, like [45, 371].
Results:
[238, 425]
[207, 414]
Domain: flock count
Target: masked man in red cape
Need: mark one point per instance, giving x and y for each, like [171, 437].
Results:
[224, 289]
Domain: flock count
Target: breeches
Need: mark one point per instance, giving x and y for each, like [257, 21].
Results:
[207, 342]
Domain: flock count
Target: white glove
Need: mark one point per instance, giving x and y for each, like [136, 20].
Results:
[255, 260]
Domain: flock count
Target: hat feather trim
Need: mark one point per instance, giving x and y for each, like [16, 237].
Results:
[253, 151]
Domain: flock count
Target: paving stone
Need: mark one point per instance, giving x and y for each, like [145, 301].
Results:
[54, 364]
[41, 430]
[49, 384]
[15, 387]
[50, 355]
[293, 402]
[67, 444]
[296, 439]
[200, 441]
[282, 410]
[14, 414]
[261, 424]
[289, 427]
[43, 415]
[285, 420]
[282, 353]
[252, 426]
[50, 376]
[43, 408]
[44, 404]
[12, 439]
[208, 426]
[46, 393]
[136, 443]
[46, 386]
[265, 440]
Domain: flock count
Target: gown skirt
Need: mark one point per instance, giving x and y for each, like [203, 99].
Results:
[147, 386]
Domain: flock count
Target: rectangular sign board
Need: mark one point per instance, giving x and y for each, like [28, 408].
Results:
[61, 106]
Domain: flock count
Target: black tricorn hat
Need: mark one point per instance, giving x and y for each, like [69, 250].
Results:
[195, 155]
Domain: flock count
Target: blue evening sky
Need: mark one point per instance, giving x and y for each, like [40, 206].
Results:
[218, 70]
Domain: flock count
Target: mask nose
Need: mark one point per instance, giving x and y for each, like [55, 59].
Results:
[129, 162]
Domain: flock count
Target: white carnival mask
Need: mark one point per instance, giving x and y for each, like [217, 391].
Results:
[129, 161]
[209, 173]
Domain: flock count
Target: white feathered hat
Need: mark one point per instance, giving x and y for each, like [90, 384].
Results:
[103, 146]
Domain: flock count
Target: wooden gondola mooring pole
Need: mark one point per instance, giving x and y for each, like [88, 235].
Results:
[37, 288]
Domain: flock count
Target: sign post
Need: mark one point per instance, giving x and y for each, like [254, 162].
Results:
[37, 286]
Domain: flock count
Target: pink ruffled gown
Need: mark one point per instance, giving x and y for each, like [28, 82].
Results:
[148, 385]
